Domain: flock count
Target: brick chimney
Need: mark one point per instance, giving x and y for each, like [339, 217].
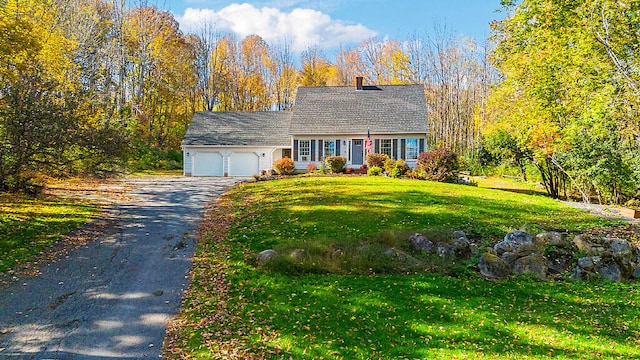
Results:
[359, 85]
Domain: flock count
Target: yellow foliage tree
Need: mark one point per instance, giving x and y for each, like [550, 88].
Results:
[316, 69]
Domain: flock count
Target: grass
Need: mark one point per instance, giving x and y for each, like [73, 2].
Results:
[235, 309]
[510, 184]
[355, 208]
[28, 225]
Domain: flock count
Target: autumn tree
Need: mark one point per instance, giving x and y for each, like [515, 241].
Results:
[225, 73]
[347, 67]
[34, 101]
[563, 84]
[284, 74]
[316, 69]
[43, 99]
[159, 75]
[458, 77]
[384, 62]
[204, 44]
[254, 81]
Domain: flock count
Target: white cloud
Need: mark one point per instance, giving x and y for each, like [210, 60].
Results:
[302, 27]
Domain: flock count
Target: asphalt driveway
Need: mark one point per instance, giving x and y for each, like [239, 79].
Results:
[110, 298]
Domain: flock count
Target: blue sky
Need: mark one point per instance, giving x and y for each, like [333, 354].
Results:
[332, 23]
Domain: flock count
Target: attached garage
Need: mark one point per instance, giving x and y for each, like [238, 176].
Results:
[234, 144]
[244, 164]
[207, 164]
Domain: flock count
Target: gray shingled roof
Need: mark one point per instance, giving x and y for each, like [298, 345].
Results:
[266, 128]
[384, 109]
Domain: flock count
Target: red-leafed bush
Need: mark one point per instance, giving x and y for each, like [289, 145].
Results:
[440, 164]
[336, 164]
[284, 166]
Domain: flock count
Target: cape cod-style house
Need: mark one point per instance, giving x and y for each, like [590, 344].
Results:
[325, 121]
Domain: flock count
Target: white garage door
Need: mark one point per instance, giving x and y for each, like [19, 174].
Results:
[207, 164]
[244, 164]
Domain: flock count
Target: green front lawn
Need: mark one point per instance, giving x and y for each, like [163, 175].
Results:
[28, 225]
[235, 309]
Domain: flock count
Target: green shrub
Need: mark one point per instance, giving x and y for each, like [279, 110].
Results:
[149, 158]
[336, 164]
[396, 168]
[474, 166]
[439, 164]
[395, 173]
[378, 160]
[284, 166]
[374, 171]
[28, 182]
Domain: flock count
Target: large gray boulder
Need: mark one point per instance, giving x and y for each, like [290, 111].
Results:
[589, 263]
[608, 267]
[553, 238]
[459, 234]
[532, 264]
[523, 253]
[460, 249]
[266, 255]
[518, 242]
[611, 270]
[620, 248]
[579, 273]
[420, 243]
[611, 258]
[492, 267]
[599, 246]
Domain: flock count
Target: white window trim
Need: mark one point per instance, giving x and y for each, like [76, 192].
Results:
[304, 150]
[412, 151]
[329, 150]
[383, 146]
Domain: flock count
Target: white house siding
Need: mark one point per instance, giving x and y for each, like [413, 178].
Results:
[346, 148]
[187, 163]
[228, 161]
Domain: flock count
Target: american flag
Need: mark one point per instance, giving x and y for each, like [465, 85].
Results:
[367, 144]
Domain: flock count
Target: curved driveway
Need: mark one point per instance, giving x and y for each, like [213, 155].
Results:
[110, 298]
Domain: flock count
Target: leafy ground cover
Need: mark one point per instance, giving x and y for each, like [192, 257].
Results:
[28, 225]
[158, 173]
[235, 309]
